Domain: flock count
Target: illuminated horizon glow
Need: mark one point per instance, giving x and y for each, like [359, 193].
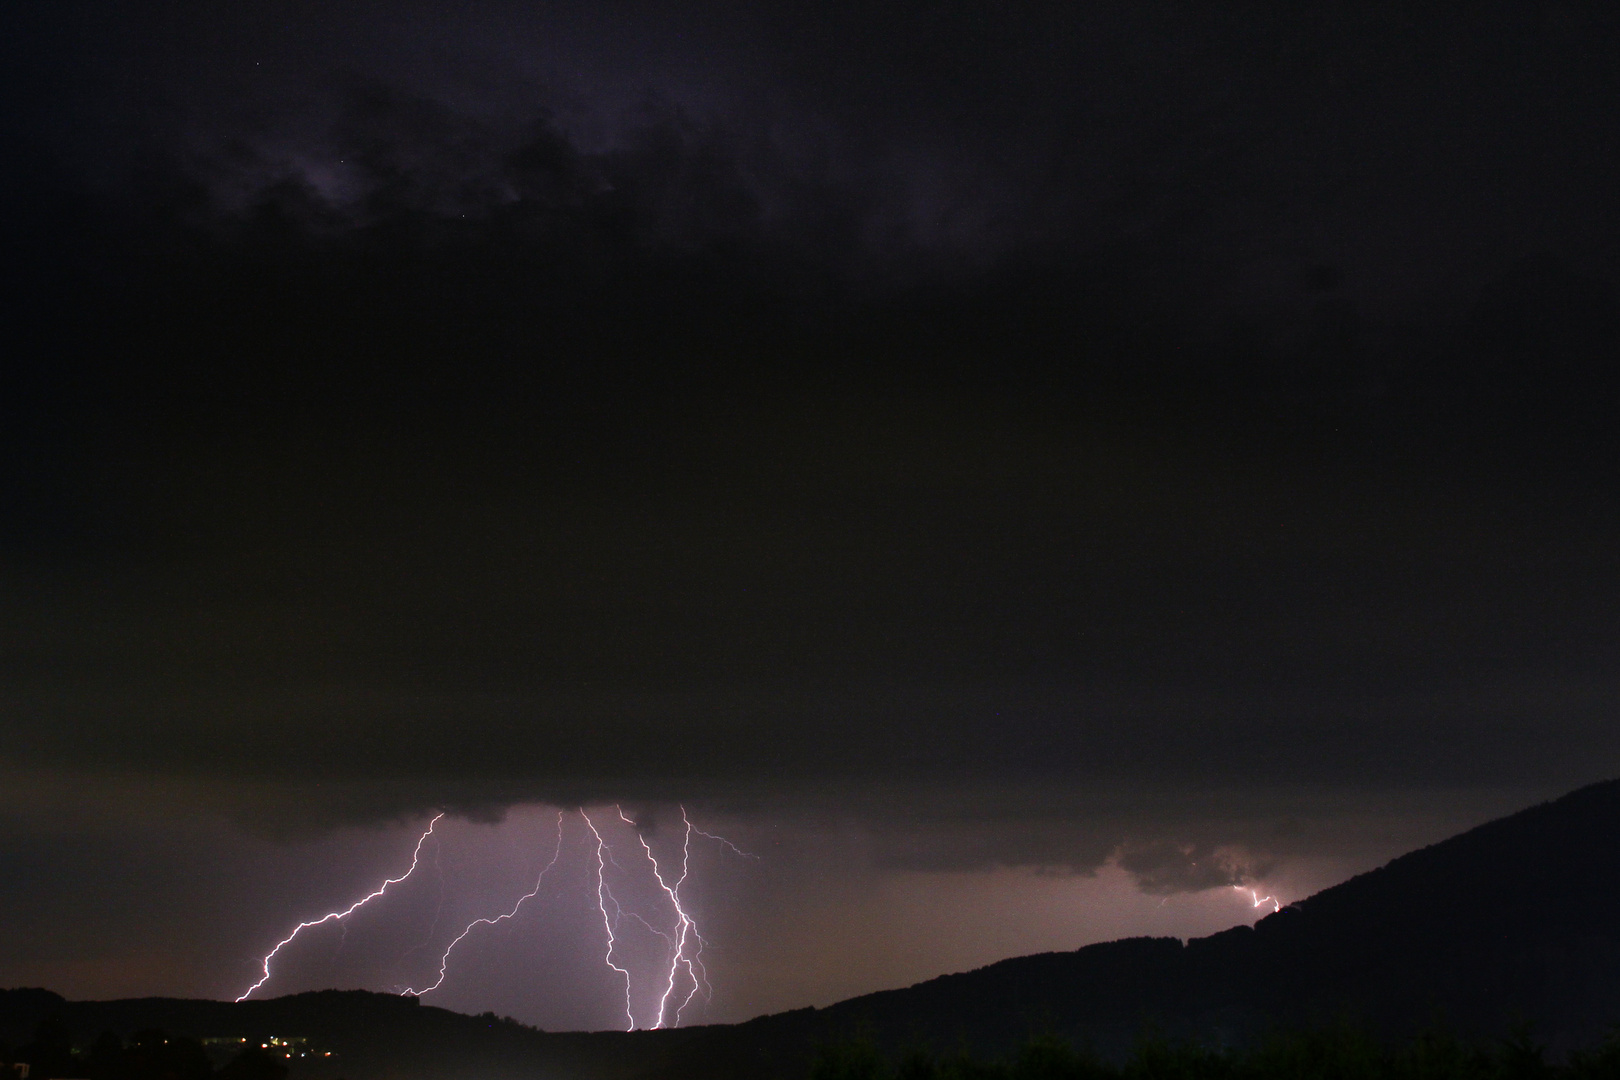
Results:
[603, 894]
[444, 961]
[416, 857]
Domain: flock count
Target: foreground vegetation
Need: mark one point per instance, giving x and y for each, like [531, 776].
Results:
[1342, 1053]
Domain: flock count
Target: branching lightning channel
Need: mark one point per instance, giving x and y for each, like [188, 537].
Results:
[686, 942]
[603, 895]
[444, 961]
[718, 839]
[685, 928]
[339, 916]
[1259, 900]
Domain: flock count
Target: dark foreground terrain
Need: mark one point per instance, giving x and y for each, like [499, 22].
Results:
[1341, 1052]
[1513, 926]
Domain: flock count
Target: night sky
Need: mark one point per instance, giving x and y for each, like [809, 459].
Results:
[1020, 476]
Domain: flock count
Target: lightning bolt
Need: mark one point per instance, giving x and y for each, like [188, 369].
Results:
[685, 933]
[603, 895]
[1276, 906]
[720, 839]
[684, 926]
[339, 916]
[438, 910]
[685, 943]
[444, 961]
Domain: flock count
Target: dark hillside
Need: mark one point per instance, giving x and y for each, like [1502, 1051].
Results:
[1515, 920]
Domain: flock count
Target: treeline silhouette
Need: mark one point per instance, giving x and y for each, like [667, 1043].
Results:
[147, 1055]
[1343, 1052]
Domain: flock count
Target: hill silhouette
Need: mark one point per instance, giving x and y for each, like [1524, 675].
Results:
[1516, 921]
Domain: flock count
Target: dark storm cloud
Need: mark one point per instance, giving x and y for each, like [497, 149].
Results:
[650, 402]
[1219, 140]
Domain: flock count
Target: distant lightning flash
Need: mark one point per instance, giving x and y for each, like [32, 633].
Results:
[438, 910]
[339, 916]
[603, 895]
[719, 839]
[444, 961]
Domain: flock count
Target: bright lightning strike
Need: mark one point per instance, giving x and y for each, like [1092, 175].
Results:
[444, 961]
[603, 895]
[1259, 900]
[686, 942]
[685, 928]
[339, 916]
[685, 972]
